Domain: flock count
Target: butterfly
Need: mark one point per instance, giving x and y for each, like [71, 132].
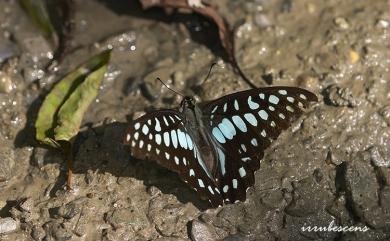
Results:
[216, 147]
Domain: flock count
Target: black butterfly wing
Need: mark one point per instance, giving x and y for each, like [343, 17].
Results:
[243, 125]
[161, 136]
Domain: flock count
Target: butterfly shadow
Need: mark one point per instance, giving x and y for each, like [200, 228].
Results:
[100, 150]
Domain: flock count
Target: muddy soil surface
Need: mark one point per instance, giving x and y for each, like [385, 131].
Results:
[332, 165]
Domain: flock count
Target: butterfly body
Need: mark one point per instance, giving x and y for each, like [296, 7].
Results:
[195, 123]
[217, 147]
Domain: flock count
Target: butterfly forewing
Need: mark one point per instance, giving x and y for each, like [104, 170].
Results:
[243, 124]
[162, 136]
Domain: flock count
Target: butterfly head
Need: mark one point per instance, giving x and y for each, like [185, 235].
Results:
[188, 102]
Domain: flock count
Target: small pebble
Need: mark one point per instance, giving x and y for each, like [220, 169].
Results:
[27, 205]
[7, 162]
[385, 113]
[6, 85]
[8, 225]
[308, 81]
[37, 233]
[353, 56]
[202, 232]
[311, 8]
[382, 24]
[262, 20]
[338, 96]
[2, 204]
[341, 23]
[378, 159]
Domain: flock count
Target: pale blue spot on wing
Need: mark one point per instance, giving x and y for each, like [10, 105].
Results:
[137, 126]
[176, 160]
[141, 144]
[174, 138]
[221, 159]
[273, 99]
[234, 182]
[165, 121]
[302, 96]
[254, 142]
[251, 119]
[225, 107]
[239, 123]
[290, 99]
[242, 172]
[263, 114]
[236, 105]
[145, 129]
[243, 147]
[166, 138]
[157, 127]
[182, 139]
[215, 108]
[245, 159]
[261, 95]
[218, 135]
[210, 190]
[282, 92]
[227, 128]
[192, 173]
[225, 188]
[189, 142]
[158, 138]
[201, 162]
[201, 184]
[253, 105]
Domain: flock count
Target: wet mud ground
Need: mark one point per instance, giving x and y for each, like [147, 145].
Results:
[333, 164]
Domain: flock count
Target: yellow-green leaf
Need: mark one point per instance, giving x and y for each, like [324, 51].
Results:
[72, 111]
[48, 118]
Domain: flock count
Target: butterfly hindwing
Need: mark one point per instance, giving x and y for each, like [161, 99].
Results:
[243, 125]
[162, 136]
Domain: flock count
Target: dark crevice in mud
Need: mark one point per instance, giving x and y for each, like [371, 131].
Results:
[201, 30]
[62, 13]
[381, 180]
[6, 210]
[341, 187]
[26, 137]
[339, 237]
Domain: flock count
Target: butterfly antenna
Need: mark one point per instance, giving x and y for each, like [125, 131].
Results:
[174, 91]
[208, 75]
